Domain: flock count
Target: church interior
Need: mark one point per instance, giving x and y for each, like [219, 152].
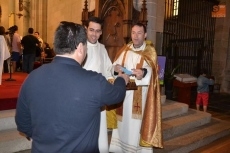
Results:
[192, 34]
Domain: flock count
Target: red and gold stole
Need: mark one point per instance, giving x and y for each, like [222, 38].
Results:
[137, 98]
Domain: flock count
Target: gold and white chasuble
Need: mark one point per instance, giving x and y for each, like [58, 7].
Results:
[139, 130]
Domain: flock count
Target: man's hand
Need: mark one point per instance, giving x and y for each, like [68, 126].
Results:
[139, 73]
[118, 68]
[124, 76]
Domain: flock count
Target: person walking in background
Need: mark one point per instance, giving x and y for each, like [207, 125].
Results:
[139, 118]
[29, 43]
[98, 60]
[59, 103]
[4, 51]
[203, 90]
[16, 47]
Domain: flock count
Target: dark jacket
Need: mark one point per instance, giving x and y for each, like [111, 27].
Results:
[29, 43]
[59, 106]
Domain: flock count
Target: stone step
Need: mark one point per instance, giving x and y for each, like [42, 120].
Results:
[12, 141]
[172, 108]
[176, 125]
[7, 120]
[196, 137]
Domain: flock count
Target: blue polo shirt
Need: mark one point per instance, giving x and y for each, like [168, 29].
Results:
[203, 84]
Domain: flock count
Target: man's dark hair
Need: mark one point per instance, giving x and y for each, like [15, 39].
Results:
[67, 37]
[13, 29]
[2, 30]
[139, 24]
[95, 20]
[36, 32]
[30, 30]
[203, 71]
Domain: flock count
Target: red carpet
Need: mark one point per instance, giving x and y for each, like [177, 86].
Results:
[9, 90]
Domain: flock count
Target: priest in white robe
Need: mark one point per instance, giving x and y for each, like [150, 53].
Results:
[4, 54]
[98, 60]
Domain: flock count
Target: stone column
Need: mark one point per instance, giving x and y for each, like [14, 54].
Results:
[38, 17]
[221, 63]
[155, 16]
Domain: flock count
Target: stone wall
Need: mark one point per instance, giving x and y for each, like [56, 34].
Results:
[10, 16]
[62, 10]
[5, 14]
[221, 63]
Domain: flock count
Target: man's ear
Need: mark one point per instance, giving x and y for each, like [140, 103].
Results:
[80, 48]
[81, 52]
[145, 35]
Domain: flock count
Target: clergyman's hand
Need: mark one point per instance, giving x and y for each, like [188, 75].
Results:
[138, 73]
[117, 68]
[124, 76]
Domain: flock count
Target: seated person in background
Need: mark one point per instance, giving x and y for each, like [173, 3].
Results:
[47, 54]
[48, 51]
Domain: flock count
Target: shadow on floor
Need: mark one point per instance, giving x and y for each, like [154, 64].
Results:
[219, 102]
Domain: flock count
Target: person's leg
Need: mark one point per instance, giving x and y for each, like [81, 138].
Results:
[197, 107]
[205, 108]
[9, 65]
[13, 66]
[198, 99]
[205, 97]
[25, 63]
[15, 58]
[5, 67]
[31, 62]
[18, 64]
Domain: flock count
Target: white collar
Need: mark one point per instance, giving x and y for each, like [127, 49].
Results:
[90, 44]
[142, 47]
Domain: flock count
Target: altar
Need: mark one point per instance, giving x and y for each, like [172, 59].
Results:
[184, 91]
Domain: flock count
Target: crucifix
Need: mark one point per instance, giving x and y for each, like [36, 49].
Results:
[137, 107]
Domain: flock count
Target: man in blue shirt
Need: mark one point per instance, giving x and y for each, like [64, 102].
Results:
[203, 90]
[59, 103]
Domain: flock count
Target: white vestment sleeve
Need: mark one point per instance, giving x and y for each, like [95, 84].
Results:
[4, 54]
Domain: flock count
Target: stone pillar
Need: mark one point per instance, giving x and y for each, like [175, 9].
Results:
[38, 17]
[18, 17]
[155, 16]
[26, 16]
[11, 13]
[221, 62]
